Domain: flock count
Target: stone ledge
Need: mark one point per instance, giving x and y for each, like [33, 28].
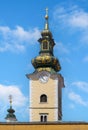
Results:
[46, 123]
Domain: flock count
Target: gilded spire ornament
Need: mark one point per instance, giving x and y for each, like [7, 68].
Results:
[46, 60]
[10, 100]
[46, 17]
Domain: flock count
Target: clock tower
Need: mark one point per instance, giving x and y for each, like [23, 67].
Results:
[46, 83]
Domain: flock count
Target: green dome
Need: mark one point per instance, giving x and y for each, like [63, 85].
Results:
[11, 116]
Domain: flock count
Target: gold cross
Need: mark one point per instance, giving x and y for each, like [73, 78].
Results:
[46, 11]
[10, 98]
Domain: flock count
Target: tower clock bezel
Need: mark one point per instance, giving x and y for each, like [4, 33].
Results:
[44, 77]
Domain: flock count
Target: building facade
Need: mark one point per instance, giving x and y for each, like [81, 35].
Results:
[45, 126]
[46, 83]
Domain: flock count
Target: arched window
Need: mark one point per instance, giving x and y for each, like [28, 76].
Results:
[45, 45]
[43, 118]
[43, 98]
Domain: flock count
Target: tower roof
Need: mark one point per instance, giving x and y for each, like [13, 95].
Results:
[10, 116]
[46, 59]
[46, 31]
[46, 17]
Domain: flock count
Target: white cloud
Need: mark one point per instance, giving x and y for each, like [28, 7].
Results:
[23, 35]
[81, 85]
[17, 39]
[18, 98]
[74, 19]
[77, 99]
[73, 16]
[20, 102]
[79, 19]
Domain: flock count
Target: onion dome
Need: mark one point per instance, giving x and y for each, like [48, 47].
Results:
[46, 62]
[46, 59]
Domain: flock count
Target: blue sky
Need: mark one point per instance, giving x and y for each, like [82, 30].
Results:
[21, 22]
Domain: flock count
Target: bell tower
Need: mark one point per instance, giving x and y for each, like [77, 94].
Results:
[10, 117]
[46, 83]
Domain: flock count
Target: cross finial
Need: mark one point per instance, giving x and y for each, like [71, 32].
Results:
[46, 11]
[10, 99]
[46, 16]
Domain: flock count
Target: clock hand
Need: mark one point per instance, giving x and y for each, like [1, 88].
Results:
[43, 78]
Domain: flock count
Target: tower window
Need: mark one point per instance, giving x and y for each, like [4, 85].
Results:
[43, 98]
[45, 45]
[43, 118]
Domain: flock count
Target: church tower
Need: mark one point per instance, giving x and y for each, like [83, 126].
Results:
[46, 83]
[10, 117]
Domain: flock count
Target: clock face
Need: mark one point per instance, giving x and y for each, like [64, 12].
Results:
[44, 76]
